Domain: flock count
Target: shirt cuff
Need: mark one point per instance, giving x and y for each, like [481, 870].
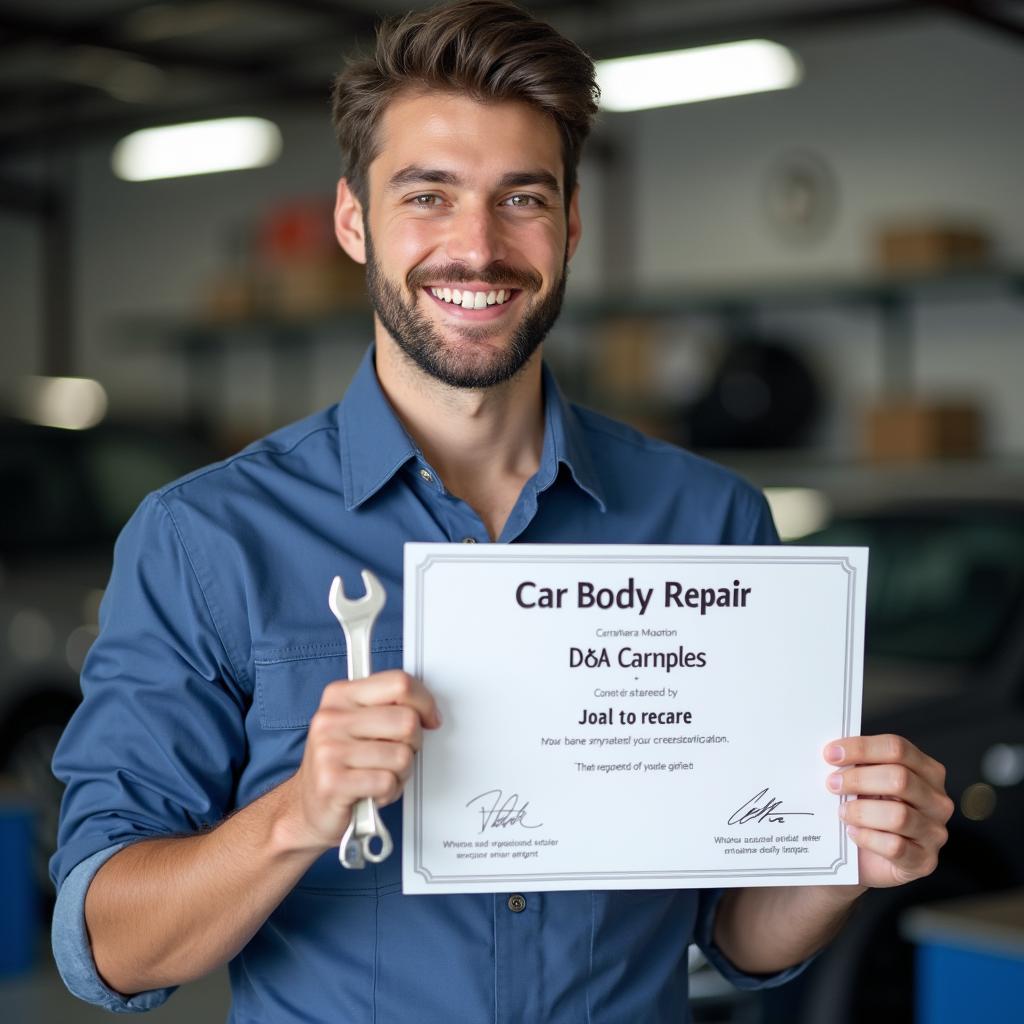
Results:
[71, 949]
[703, 936]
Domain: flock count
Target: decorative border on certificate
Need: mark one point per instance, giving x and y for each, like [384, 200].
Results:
[771, 556]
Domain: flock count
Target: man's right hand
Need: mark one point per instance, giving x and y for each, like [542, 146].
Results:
[168, 910]
[360, 743]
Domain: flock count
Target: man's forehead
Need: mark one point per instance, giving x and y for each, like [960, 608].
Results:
[456, 135]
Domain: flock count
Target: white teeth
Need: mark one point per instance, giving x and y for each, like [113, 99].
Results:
[471, 300]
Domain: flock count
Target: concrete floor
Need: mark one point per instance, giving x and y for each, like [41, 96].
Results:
[40, 997]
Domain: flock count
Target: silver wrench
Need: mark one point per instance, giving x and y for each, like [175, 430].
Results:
[357, 618]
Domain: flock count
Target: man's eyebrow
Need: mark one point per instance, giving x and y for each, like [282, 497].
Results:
[416, 175]
[523, 179]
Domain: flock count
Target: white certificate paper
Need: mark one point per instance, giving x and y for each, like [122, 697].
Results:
[630, 717]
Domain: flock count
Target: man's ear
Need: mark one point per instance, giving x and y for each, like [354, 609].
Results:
[574, 224]
[348, 222]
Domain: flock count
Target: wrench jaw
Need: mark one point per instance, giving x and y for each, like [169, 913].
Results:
[350, 851]
[364, 826]
[366, 608]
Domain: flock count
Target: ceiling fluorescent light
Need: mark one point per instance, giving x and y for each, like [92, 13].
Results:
[797, 511]
[202, 147]
[71, 403]
[701, 73]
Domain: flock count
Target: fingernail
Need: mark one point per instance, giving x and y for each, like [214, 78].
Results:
[842, 810]
[851, 831]
[835, 782]
[834, 752]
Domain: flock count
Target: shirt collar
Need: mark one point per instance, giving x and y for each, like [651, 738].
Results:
[565, 444]
[374, 445]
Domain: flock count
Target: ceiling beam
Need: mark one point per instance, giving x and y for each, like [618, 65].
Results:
[622, 43]
[983, 14]
[26, 197]
[72, 130]
[18, 27]
[265, 77]
[354, 19]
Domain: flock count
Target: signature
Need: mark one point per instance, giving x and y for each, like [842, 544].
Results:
[756, 810]
[497, 814]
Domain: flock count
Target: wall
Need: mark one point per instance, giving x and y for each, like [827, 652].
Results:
[920, 119]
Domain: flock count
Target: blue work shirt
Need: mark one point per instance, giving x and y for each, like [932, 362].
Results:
[215, 644]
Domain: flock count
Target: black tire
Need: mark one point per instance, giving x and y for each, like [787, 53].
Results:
[27, 743]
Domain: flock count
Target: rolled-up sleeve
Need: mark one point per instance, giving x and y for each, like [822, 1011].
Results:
[71, 948]
[703, 936]
[157, 744]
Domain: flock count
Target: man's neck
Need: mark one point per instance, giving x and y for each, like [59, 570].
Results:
[484, 443]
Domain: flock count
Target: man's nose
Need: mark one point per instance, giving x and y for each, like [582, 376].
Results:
[476, 237]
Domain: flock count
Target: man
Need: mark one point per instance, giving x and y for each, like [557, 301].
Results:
[212, 767]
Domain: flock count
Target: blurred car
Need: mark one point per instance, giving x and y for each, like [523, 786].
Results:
[944, 667]
[66, 495]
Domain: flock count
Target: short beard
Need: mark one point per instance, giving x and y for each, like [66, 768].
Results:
[423, 344]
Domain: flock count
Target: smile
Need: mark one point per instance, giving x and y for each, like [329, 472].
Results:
[469, 299]
[476, 304]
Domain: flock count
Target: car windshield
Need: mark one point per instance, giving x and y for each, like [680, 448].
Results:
[941, 586]
[64, 489]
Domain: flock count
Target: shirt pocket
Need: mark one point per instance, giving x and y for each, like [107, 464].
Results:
[291, 680]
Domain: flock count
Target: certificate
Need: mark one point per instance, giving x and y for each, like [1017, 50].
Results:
[630, 717]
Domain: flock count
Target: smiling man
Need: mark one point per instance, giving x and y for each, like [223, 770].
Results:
[491, 245]
[213, 765]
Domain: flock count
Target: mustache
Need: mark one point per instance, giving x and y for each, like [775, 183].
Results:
[498, 274]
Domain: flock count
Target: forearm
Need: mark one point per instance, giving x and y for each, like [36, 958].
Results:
[765, 930]
[166, 911]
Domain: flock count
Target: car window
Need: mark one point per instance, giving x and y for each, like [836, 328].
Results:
[123, 469]
[45, 500]
[939, 588]
[65, 490]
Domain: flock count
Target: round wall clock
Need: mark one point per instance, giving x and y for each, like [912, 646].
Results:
[801, 197]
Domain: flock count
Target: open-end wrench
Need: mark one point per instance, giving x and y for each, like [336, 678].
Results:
[357, 618]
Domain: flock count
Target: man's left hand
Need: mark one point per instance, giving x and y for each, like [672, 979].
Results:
[898, 819]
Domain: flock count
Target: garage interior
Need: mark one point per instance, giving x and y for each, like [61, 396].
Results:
[820, 286]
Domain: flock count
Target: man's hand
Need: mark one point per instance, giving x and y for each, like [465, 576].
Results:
[899, 817]
[193, 902]
[360, 743]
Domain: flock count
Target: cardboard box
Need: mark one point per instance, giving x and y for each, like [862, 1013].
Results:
[230, 298]
[624, 363]
[297, 229]
[312, 288]
[909, 429]
[932, 248]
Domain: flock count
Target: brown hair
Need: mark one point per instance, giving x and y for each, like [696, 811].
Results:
[491, 50]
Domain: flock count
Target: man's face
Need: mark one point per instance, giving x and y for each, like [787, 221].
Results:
[467, 238]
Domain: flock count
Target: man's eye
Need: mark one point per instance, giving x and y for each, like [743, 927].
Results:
[523, 200]
[427, 199]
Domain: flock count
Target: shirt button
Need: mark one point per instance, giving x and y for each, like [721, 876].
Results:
[469, 540]
[516, 903]
[427, 475]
